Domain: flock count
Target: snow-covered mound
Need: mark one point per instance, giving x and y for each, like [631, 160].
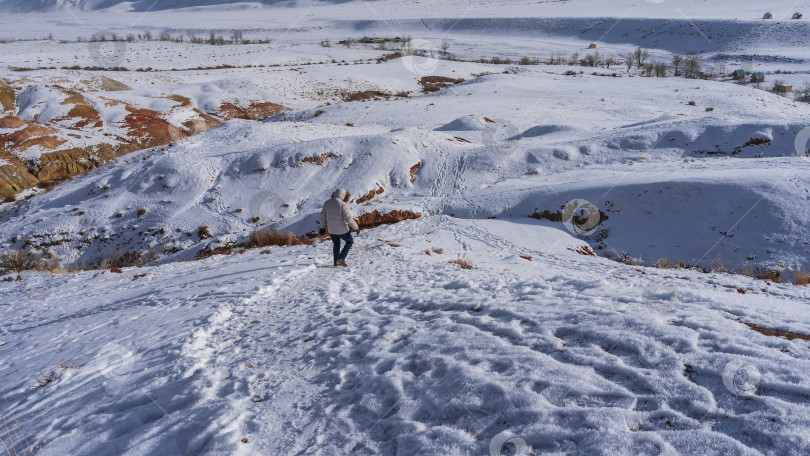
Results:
[676, 181]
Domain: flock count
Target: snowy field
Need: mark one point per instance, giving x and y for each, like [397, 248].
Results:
[564, 337]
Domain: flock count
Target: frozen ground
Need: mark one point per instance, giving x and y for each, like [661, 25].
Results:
[541, 348]
[406, 354]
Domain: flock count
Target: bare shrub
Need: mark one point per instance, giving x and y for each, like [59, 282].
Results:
[802, 278]
[437, 250]
[46, 379]
[664, 263]
[18, 260]
[203, 232]
[127, 259]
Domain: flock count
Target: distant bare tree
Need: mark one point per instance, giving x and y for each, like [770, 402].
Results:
[610, 60]
[628, 62]
[445, 47]
[640, 55]
[661, 69]
[692, 65]
[677, 60]
[804, 92]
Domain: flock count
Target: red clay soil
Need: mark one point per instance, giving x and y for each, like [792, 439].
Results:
[778, 333]
[7, 96]
[371, 194]
[83, 111]
[414, 169]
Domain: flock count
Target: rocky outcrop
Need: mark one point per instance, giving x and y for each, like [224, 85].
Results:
[111, 85]
[7, 96]
[253, 111]
[14, 176]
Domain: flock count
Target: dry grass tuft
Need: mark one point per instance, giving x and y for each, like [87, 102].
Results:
[375, 218]
[437, 250]
[465, 264]
[526, 257]
[366, 95]
[770, 274]
[14, 429]
[46, 379]
[272, 237]
[802, 278]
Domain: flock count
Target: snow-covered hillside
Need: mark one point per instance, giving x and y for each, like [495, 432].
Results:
[593, 261]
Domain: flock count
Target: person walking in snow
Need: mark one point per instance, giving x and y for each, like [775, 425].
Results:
[338, 219]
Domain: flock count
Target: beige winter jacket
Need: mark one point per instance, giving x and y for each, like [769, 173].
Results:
[336, 216]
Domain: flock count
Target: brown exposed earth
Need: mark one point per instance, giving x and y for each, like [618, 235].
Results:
[7, 96]
[789, 335]
[58, 160]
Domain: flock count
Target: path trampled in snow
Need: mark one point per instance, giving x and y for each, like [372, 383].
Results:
[404, 353]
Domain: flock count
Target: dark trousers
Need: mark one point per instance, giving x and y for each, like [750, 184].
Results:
[336, 252]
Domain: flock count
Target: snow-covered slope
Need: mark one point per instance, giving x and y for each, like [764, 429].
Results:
[545, 346]
[406, 354]
[653, 160]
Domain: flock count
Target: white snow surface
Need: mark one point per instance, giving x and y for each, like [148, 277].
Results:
[541, 348]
